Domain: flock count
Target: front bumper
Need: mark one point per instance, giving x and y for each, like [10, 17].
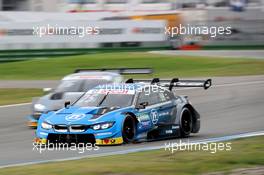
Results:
[111, 136]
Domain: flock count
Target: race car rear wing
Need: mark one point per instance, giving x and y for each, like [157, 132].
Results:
[123, 71]
[175, 82]
[190, 83]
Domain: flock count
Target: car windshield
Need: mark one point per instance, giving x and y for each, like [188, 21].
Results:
[105, 99]
[79, 85]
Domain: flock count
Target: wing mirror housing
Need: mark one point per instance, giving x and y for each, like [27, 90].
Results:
[67, 104]
[142, 105]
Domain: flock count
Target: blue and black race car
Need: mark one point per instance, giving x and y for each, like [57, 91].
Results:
[123, 113]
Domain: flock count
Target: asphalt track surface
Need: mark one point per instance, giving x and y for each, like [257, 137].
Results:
[255, 54]
[28, 83]
[232, 106]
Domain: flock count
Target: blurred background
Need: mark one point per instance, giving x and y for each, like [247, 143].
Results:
[128, 24]
[132, 34]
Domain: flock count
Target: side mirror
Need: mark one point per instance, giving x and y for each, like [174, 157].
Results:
[67, 104]
[142, 105]
[47, 90]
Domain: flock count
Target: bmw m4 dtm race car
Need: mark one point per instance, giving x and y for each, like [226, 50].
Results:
[123, 113]
[74, 85]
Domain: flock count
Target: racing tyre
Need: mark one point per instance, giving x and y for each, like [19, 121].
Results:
[129, 129]
[185, 122]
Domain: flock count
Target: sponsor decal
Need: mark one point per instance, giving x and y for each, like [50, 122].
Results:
[144, 120]
[163, 114]
[168, 131]
[145, 123]
[104, 133]
[174, 127]
[143, 117]
[109, 141]
[74, 117]
[43, 133]
[116, 91]
[40, 141]
[154, 116]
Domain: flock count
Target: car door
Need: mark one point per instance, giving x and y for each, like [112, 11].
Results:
[166, 107]
[143, 115]
[150, 115]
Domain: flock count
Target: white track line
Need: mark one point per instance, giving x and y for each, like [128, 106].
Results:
[14, 105]
[133, 150]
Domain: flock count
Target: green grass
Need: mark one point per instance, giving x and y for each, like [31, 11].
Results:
[165, 66]
[245, 153]
[11, 96]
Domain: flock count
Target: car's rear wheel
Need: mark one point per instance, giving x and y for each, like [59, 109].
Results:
[129, 129]
[186, 122]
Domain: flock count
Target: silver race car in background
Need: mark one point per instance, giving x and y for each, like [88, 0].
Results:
[74, 85]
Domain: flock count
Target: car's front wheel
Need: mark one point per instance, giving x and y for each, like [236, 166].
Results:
[129, 129]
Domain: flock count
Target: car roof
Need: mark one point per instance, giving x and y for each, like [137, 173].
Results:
[92, 75]
[118, 86]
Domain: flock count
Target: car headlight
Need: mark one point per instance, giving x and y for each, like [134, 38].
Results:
[45, 125]
[102, 126]
[39, 107]
[96, 127]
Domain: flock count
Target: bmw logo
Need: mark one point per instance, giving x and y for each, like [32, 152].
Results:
[74, 117]
[154, 116]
